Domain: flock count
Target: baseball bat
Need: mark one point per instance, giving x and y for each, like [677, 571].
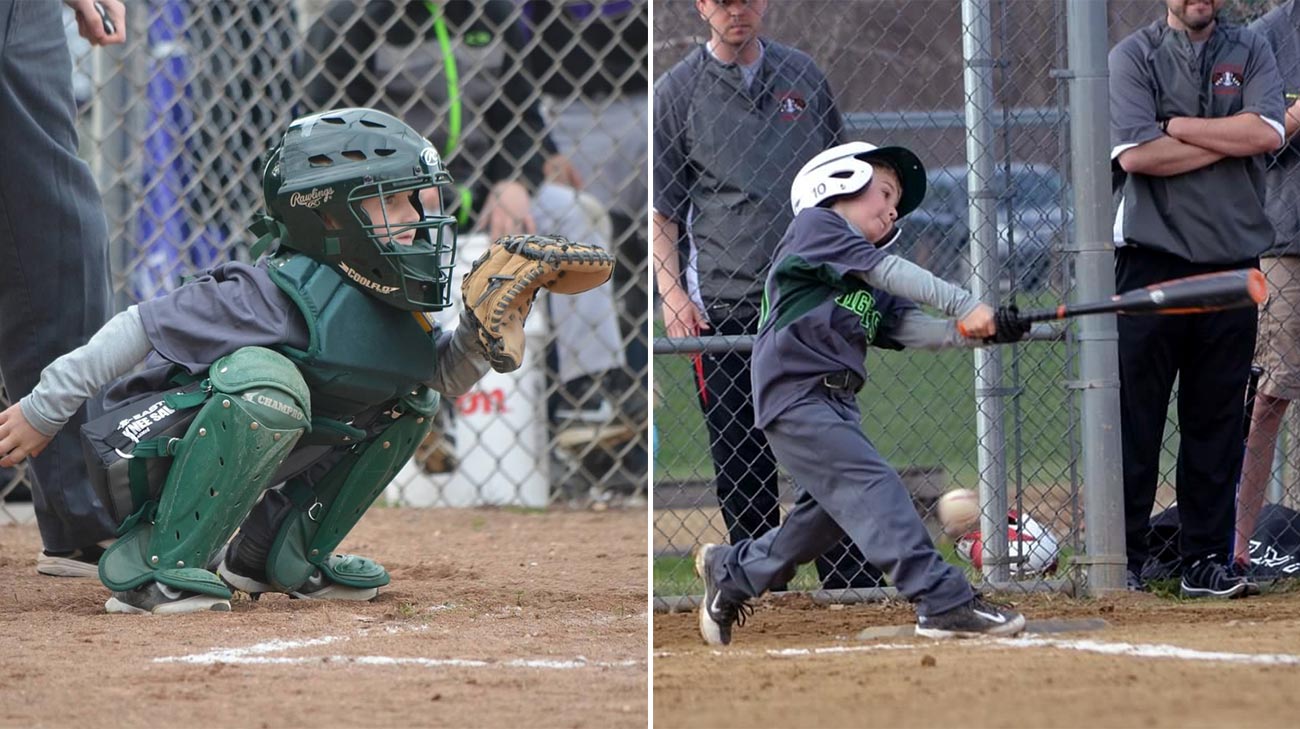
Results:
[1189, 295]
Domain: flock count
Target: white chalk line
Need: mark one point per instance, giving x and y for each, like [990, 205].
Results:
[259, 654]
[1139, 650]
[1131, 650]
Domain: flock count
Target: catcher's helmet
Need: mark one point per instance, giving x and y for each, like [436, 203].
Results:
[846, 168]
[325, 165]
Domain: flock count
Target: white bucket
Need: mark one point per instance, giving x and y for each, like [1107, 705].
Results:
[501, 436]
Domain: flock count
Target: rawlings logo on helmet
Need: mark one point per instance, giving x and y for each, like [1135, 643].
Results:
[430, 157]
[311, 199]
[365, 281]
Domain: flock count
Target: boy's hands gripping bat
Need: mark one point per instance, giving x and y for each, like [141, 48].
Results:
[1190, 295]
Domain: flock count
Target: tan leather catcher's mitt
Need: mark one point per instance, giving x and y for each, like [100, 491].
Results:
[500, 287]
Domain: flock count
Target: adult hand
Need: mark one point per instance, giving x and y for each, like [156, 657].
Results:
[682, 318]
[979, 323]
[508, 211]
[559, 168]
[91, 25]
[18, 439]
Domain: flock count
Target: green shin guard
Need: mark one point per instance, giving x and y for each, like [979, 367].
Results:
[324, 515]
[257, 409]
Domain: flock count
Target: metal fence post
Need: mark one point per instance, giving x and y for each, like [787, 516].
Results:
[1099, 359]
[977, 46]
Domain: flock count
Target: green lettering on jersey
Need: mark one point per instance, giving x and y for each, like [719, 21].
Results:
[478, 38]
[863, 304]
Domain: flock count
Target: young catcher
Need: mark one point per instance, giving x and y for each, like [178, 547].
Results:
[832, 291]
[316, 370]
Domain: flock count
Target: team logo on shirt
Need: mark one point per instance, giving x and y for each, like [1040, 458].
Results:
[790, 104]
[1227, 79]
[863, 304]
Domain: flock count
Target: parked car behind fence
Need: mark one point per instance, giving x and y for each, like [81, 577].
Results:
[1032, 226]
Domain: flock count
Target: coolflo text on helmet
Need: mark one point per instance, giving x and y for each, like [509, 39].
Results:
[323, 168]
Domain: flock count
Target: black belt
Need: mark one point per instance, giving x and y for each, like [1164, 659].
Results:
[843, 380]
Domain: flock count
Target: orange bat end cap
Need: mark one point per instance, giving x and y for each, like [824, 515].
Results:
[1257, 286]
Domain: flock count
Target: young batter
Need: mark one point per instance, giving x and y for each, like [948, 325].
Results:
[832, 291]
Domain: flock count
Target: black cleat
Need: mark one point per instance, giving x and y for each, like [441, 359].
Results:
[975, 619]
[717, 614]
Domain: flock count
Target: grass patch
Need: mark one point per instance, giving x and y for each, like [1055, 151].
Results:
[675, 576]
[524, 510]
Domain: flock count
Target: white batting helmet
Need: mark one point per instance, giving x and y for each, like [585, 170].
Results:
[845, 169]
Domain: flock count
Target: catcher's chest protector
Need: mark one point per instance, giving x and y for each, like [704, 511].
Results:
[362, 353]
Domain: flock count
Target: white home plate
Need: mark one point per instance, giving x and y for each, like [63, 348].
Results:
[1032, 627]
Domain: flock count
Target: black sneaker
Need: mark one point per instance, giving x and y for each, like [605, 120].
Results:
[1134, 582]
[1207, 577]
[717, 614]
[1241, 572]
[156, 598]
[82, 562]
[584, 400]
[975, 619]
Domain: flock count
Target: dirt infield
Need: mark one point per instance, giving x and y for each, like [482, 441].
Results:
[1160, 663]
[493, 618]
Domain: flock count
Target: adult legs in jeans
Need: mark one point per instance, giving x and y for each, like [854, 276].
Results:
[54, 240]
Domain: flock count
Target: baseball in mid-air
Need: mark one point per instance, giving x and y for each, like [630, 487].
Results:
[959, 512]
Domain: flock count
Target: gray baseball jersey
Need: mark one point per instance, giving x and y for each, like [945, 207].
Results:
[1214, 214]
[1281, 28]
[235, 305]
[725, 154]
[819, 315]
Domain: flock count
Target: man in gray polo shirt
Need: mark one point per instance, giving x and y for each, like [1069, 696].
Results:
[1195, 105]
[733, 123]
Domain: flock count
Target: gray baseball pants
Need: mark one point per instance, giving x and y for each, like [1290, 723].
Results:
[842, 486]
[53, 242]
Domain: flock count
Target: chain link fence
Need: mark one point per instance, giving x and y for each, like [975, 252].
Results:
[982, 100]
[546, 98]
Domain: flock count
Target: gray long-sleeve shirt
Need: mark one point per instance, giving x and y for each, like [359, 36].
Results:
[235, 306]
[1214, 214]
[1281, 28]
[725, 153]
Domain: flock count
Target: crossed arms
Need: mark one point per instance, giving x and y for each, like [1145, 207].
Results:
[1190, 143]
